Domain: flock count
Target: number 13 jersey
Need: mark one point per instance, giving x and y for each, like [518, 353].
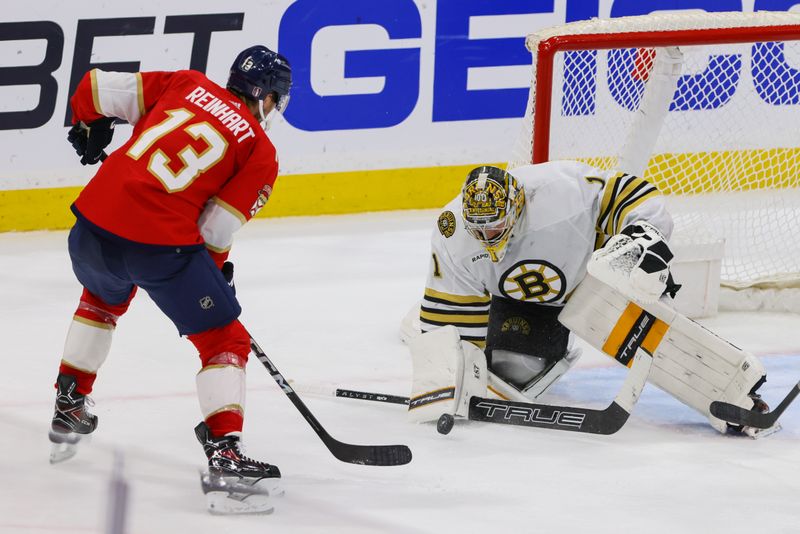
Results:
[197, 165]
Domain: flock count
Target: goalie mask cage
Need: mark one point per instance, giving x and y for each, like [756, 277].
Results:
[704, 105]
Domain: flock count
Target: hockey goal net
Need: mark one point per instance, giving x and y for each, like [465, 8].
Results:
[705, 105]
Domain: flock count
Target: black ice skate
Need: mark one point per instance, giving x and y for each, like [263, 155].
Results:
[234, 483]
[71, 420]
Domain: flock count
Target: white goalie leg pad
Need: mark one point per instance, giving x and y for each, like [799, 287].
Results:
[446, 373]
[88, 344]
[410, 326]
[689, 362]
[221, 388]
[503, 390]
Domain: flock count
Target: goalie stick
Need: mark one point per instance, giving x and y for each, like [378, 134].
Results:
[377, 397]
[346, 452]
[570, 418]
[740, 416]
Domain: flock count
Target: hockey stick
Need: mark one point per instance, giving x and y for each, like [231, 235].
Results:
[740, 416]
[575, 419]
[377, 397]
[346, 452]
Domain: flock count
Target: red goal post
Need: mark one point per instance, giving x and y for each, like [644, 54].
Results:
[705, 105]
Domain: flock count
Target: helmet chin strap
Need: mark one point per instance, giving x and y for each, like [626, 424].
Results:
[265, 120]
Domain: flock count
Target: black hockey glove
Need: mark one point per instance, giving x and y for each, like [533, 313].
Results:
[89, 141]
[227, 272]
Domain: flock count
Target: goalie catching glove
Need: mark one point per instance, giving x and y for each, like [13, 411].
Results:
[636, 262]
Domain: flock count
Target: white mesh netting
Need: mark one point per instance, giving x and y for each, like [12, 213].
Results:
[712, 121]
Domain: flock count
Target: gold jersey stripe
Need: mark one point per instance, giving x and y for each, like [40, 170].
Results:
[625, 211]
[623, 194]
[455, 317]
[629, 187]
[227, 207]
[227, 408]
[89, 322]
[217, 249]
[81, 369]
[606, 202]
[457, 299]
[140, 93]
[95, 91]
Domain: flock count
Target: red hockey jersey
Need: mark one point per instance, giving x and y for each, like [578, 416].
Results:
[196, 167]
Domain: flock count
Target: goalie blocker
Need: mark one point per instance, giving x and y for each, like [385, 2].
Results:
[691, 363]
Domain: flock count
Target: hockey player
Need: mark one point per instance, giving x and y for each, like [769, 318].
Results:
[159, 215]
[507, 254]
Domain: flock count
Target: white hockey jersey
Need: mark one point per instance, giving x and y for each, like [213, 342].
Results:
[571, 209]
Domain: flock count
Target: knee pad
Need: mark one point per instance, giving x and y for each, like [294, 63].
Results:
[231, 339]
[89, 337]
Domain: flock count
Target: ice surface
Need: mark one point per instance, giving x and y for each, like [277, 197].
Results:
[324, 297]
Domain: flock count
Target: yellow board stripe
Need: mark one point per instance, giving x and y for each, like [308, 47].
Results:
[295, 195]
[423, 188]
[627, 320]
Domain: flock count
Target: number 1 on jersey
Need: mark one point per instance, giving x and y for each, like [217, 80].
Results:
[194, 163]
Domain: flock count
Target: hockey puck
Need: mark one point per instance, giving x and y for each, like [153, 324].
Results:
[445, 423]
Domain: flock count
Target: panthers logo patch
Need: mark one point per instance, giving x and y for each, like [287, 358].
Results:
[516, 325]
[447, 223]
[533, 281]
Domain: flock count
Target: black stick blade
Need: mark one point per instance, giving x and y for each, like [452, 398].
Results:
[733, 414]
[739, 416]
[379, 455]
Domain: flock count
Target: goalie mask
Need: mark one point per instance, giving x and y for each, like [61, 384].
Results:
[491, 202]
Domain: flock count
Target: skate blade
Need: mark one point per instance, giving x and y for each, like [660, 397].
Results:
[269, 486]
[758, 433]
[226, 503]
[64, 445]
[229, 496]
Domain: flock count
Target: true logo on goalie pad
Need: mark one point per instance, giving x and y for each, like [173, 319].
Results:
[431, 397]
[635, 329]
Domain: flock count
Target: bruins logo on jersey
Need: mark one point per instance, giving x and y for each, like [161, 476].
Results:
[447, 223]
[533, 281]
[516, 325]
